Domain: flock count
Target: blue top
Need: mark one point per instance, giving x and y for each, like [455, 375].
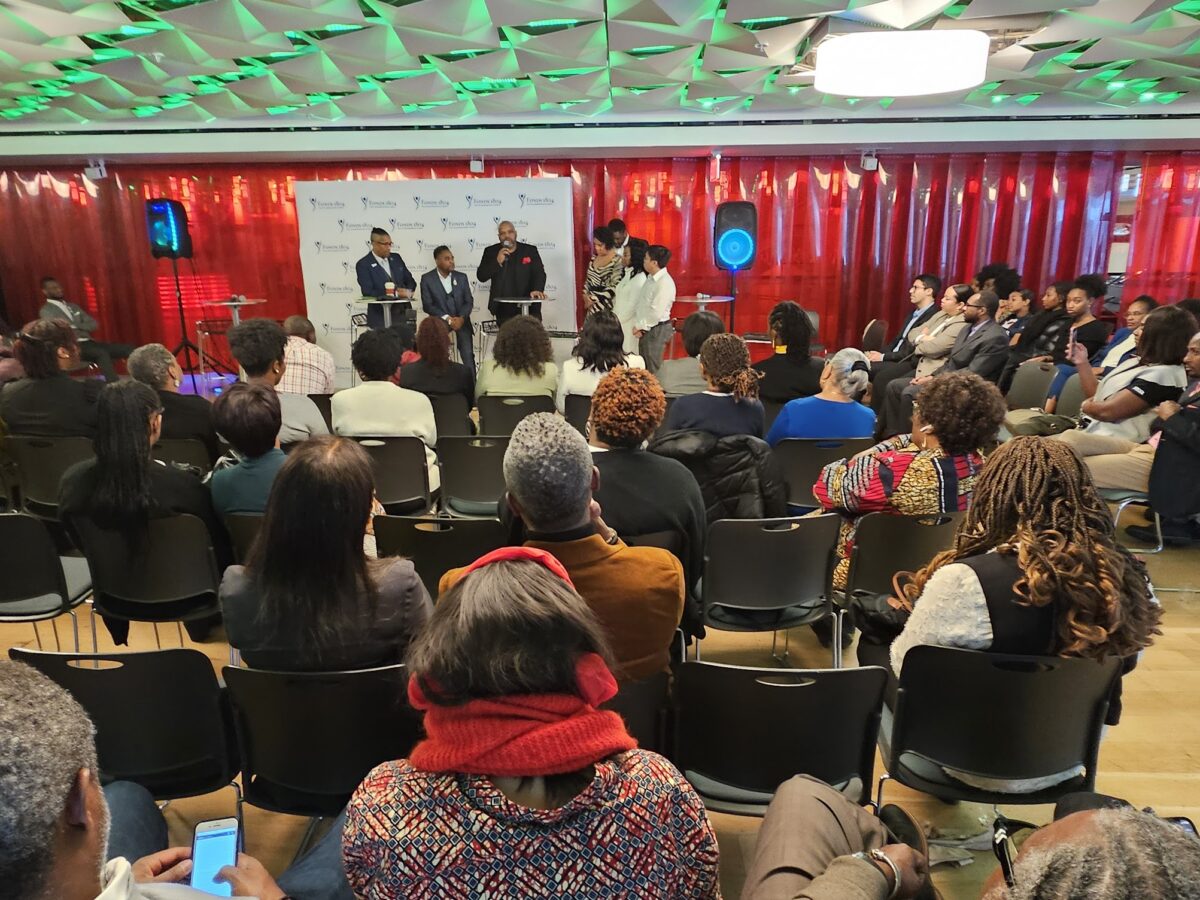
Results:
[244, 487]
[816, 417]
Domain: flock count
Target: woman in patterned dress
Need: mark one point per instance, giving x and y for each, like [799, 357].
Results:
[604, 272]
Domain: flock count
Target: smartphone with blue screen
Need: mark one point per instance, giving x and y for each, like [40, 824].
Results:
[214, 846]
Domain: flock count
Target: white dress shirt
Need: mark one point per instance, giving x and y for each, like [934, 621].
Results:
[625, 301]
[384, 264]
[383, 409]
[575, 379]
[655, 302]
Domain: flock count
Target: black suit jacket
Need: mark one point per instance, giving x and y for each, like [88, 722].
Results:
[521, 274]
[1174, 487]
[188, 417]
[899, 348]
[372, 278]
[436, 302]
[57, 406]
[985, 352]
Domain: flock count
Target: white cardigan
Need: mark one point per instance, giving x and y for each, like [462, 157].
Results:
[383, 409]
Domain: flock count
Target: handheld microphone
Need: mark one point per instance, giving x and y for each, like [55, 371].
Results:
[508, 244]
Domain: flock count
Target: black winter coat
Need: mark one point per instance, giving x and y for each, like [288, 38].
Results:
[1174, 485]
[738, 475]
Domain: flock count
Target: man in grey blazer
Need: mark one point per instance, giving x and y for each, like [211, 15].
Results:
[90, 349]
[446, 293]
[981, 347]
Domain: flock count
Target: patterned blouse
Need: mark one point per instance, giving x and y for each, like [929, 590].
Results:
[602, 282]
[638, 831]
[895, 476]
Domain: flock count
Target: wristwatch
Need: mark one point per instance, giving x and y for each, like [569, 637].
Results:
[878, 856]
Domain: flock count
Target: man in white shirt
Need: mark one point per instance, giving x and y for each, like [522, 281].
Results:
[652, 321]
[309, 369]
[81, 322]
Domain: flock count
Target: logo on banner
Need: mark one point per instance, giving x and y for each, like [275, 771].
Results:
[473, 201]
[368, 203]
[344, 226]
[545, 245]
[397, 225]
[420, 203]
[323, 247]
[325, 204]
[458, 224]
[516, 223]
[334, 289]
[531, 200]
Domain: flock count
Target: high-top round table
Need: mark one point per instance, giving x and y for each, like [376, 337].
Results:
[387, 303]
[523, 302]
[703, 301]
[235, 308]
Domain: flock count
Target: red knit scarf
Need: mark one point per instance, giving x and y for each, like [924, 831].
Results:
[526, 735]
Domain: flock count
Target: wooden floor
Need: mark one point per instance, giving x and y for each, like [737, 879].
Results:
[1150, 759]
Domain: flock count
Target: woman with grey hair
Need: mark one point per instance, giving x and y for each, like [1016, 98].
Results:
[835, 412]
[184, 416]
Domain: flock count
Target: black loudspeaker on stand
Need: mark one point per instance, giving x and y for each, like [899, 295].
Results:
[735, 242]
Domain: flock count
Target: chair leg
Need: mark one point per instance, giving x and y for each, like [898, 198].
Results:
[885, 777]
[74, 627]
[782, 660]
[157, 642]
[57, 642]
[838, 613]
[239, 813]
[95, 644]
[37, 634]
[179, 627]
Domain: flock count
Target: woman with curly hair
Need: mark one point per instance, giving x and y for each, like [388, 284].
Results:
[730, 405]
[435, 373]
[522, 363]
[791, 371]
[930, 471]
[600, 348]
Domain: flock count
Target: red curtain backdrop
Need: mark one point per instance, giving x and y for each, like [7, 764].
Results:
[842, 241]
[1164, 243]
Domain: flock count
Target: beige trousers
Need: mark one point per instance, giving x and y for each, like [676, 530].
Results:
[1115, 463]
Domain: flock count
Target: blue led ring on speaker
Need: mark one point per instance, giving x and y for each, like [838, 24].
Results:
[735, 248]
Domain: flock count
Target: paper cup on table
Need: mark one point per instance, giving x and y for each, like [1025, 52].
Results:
[389, 288]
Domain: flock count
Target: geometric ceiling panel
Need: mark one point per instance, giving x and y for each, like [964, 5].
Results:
[99, 64]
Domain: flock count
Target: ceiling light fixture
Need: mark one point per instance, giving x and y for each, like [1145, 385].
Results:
[901, 63]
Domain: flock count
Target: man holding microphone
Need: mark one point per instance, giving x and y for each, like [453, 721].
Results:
[383, 274]
[514, 270]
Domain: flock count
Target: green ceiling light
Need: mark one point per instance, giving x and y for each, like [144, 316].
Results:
[145, 111]
[1147, 97]
[340, 27]
[1117, 85]
[654, 50]
[280, 110]
[1000, 98]
[136, 30]
[1026, 99]
[885, 102]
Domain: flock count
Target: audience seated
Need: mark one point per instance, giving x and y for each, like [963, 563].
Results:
[1015, 312]
[65, 837]
[47, 401]
[1086, 329]
[637, 593]
[790, 371]
[309, 369]
[730, 405]
[378, 407]
[680, 377]
[259, 346]
[247, 415]
[1044, 336]
[1119, 411]
[835, 412]
[125, 488]
[641, 492]
[600, 349]
[523, 787]
[814, 844]
[10, 368]
[435, 374]
[308, 598]
[935, 340]
[522, 363]
[185, 416]
[930, 471]
[896, 359]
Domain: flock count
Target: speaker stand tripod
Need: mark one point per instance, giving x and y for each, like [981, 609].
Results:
[185, 346]
[733, 302]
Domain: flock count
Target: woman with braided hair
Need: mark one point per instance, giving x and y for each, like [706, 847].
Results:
[730, 405]
[790, 371]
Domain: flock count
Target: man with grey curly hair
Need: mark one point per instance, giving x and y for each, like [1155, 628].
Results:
[637, 592]
[185, 416]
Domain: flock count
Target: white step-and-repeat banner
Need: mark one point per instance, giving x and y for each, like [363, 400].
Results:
[336, 218]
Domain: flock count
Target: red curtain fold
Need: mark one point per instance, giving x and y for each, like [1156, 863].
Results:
[1164, 242]
[842, 241]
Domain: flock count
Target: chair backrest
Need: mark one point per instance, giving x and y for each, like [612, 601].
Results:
[771, 411]
[643, 706]
[1029, 385]
[174, 562]
[29, 561]
[500, 415]
[792, 562]
[41, 462]
[885, 544]
[473, 468]
[160, 717]
[1070, 398]
[874, 335]
[671, 541]
[186, 451]
[755, 728]
[401, 479]
[802, 460]
[308, 739]
[437, 545]
[451, 415]
[324, 403]
[1004, 716]
[578, 409]
[243, 528]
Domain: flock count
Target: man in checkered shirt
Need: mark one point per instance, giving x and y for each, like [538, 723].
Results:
[309, 368]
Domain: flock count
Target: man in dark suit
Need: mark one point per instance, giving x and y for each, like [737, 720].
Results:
[90, 349]
[446, 293]
[896, 360]
[515, 270]
[375, 270]
[981, 347]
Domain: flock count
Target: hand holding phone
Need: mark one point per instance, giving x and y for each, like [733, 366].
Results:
[214, 846]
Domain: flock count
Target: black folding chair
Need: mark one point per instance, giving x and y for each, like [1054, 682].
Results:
[741, 732]
[161, 720]
[324, 404]
[41, 462]
[771, 411]
[308, 739]
[1070, 398]
[578, 409]
[243, 529]
[874, 335]
[472, 474]
[997, 716]
[885, 544]
[1030, 385]
[401, 478]
[37, 584]
[500, 415]
[802, 460]
[437, 545]
[770, 574]
[184, 451]
[644, 705]
[451, 414]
